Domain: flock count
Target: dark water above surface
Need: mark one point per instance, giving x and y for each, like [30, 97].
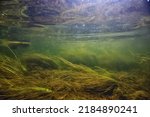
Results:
[94, 49]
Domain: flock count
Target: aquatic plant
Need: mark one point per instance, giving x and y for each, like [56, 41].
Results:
[85, 50]
[12, 43]
[57, 84]
[51, 83]
[36, 60]
[10, 67]
[5, 43]
[65, 80]
[66, 64]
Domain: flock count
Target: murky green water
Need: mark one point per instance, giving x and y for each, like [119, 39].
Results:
[110, 50]
[75, 56]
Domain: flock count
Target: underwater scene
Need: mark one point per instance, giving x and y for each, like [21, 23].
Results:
[75, 49]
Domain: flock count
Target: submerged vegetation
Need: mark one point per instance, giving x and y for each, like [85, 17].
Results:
[74, 49]
[51, 77]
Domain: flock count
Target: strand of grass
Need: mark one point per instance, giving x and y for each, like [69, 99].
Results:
[7, 63]
[23, 68]
[13, 52]
[5, 69]
[15, 69]
[26, 89]
[77, 67]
